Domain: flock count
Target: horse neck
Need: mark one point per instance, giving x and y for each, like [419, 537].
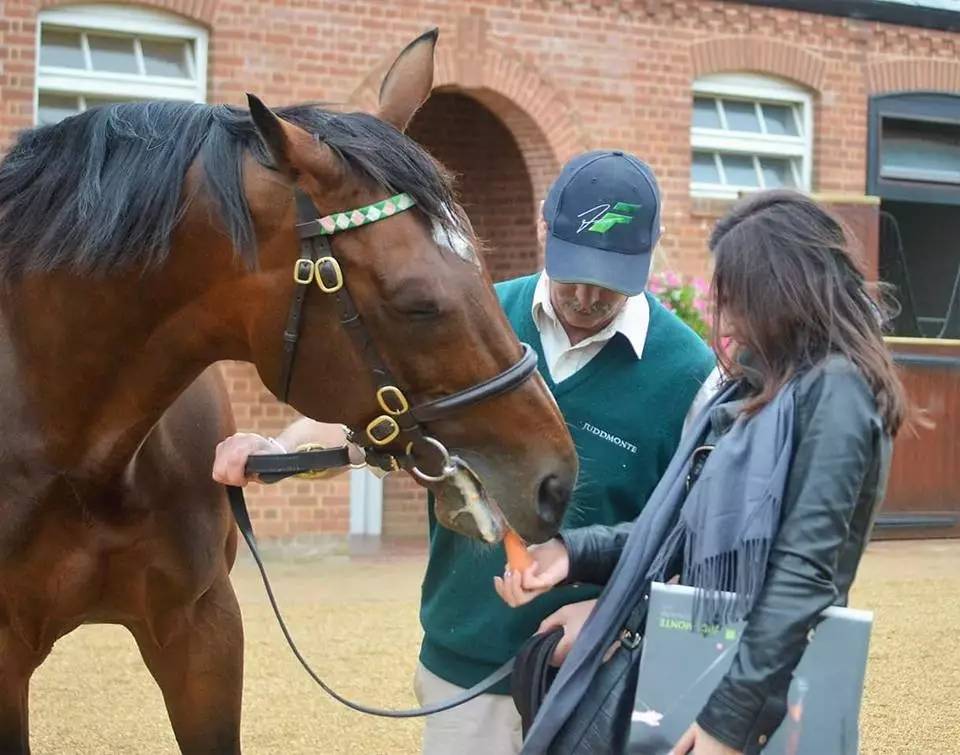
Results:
[98, 361]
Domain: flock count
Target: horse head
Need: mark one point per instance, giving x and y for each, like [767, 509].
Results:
[421, 320]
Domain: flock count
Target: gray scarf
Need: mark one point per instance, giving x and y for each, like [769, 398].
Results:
[722, 529]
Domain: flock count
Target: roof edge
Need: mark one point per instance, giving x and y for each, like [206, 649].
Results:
[871, 10]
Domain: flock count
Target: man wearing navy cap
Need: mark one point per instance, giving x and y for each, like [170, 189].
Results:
[624, 371]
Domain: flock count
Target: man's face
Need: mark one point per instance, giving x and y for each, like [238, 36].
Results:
[585, 307]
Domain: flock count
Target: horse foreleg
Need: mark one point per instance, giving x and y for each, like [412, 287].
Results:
[199, 669]
[17, 664]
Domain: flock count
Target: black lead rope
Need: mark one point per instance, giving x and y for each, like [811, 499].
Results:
[271, 468]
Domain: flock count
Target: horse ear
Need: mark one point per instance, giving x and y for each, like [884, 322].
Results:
[409, 81]
[274, 133]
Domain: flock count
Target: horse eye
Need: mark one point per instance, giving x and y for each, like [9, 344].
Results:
[414, 298]
[421, 310]
[417, 308]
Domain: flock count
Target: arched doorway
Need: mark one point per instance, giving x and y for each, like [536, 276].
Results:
[491, 174]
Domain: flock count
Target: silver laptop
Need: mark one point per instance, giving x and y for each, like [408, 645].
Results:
[679, 669]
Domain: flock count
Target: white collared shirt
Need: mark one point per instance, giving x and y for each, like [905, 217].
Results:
[565, 359]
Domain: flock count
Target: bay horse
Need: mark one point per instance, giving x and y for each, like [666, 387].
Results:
[142, 243]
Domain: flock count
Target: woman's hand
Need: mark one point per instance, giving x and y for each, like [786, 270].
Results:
[571, 618]
[698, 742]
[551, 565]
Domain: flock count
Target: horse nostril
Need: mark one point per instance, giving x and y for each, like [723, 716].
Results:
[552, 500]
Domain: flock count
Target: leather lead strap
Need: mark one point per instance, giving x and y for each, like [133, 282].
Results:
[239, 507]
[271, 468]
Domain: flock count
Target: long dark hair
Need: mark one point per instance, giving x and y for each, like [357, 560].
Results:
[786, 277]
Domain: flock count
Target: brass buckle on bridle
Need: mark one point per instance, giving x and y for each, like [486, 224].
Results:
[383, 430]
[323, 266]
[316, 474]
[386, 392]
[303, 271]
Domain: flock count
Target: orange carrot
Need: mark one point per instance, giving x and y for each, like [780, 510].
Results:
[518, 558]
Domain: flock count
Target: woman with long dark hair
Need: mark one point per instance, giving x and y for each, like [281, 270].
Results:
[772, 495]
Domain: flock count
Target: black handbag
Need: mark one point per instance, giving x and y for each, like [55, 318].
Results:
[601, 721]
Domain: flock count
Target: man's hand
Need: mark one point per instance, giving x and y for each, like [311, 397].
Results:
[698, 742]
[550, 567]
[232, 454]
[571, 618]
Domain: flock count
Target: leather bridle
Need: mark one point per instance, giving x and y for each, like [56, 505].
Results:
[394, 439]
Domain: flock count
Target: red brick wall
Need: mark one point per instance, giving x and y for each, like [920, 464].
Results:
[560, 75]
[492, 180]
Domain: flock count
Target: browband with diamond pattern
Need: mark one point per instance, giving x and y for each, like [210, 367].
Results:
[344, 221]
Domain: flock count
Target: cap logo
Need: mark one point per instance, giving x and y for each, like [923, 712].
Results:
[602, 218]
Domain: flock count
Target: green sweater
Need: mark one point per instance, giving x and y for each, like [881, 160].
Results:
[626, 416]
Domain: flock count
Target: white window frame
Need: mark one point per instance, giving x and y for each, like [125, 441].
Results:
[126, 20]
[748, 86]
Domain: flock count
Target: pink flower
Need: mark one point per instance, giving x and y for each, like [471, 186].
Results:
[672, 279]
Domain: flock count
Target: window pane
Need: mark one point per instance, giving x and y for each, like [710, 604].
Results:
[165, 58]
[114, 54]
[705, 113]
[779, 119]
[741, 116]
[703, 168]
[920, 151]
[739, 170]
[61, 48]
[55, 107]
[776, 172]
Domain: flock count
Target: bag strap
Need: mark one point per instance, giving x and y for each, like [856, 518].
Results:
[533, 674]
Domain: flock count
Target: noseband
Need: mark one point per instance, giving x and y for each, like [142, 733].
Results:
[394, 439]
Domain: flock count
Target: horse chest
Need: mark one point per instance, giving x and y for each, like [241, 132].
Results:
[72, 556]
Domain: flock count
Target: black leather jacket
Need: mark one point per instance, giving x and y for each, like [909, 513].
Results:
[838, 476]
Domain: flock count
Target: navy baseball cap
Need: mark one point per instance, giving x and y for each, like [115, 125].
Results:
[603, 221]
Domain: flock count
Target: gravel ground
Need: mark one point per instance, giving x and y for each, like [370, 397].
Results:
[358, 622]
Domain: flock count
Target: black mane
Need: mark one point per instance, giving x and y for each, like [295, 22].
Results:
[101, 190]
